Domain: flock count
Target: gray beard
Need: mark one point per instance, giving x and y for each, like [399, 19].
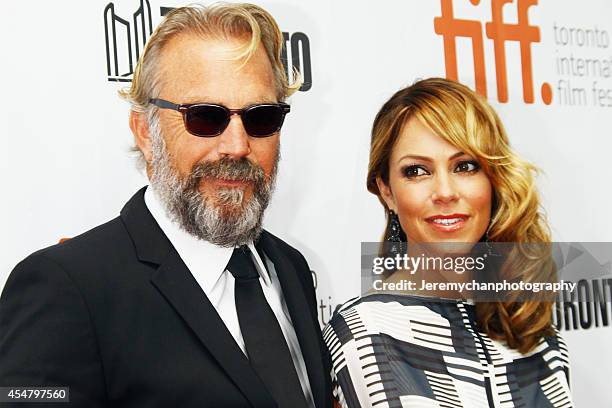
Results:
[224, 219]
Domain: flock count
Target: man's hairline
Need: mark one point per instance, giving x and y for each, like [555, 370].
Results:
[158, 73]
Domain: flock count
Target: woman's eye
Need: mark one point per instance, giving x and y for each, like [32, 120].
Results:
[467, 167]
[414, 171]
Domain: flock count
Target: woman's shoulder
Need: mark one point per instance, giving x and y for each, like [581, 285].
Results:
[387, 312]
[374, 299]
[400, 303]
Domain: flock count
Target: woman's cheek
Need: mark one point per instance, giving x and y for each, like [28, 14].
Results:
[478, 193]
[412, 201]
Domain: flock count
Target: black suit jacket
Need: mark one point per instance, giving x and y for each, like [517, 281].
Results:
[115, 315]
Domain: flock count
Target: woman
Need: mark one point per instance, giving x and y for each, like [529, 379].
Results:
[442, 167]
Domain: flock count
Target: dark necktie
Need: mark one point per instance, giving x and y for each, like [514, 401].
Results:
[266, 347]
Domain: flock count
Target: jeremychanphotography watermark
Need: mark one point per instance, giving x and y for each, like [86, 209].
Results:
[473, 286]
[489, 271]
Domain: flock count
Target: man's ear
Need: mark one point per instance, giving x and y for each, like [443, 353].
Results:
[386, 194]
[140, 130]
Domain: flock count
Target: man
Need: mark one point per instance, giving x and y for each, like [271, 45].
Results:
[182, 300]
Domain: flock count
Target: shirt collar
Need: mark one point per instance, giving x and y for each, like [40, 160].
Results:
[206, 261]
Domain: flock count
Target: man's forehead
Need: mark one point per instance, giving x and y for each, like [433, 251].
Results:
[222, 48]
[191, 51]
[196, 69]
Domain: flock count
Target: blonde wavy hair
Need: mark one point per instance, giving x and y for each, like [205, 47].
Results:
[465, 119]
[216, 21]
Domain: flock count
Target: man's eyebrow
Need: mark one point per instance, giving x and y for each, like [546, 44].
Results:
[189, 100]
[426, 158]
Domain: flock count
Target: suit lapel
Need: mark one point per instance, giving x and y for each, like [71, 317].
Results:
[181, 290]
[307, 333]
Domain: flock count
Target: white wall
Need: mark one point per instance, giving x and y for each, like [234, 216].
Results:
[65, 168]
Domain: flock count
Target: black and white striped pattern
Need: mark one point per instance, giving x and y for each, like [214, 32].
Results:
[392, 350]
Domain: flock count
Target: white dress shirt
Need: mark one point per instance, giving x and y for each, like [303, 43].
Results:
[207, 263]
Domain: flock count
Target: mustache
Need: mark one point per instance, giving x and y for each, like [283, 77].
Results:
[229, 169]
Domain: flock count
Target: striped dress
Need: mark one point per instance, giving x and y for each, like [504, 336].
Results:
[393, 350]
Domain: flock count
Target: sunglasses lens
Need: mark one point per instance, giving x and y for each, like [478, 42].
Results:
[263, 120]
[206, 120]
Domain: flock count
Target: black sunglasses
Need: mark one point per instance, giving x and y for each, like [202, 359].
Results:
[209, 119]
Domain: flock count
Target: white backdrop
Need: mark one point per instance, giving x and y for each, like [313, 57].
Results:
[65, 165]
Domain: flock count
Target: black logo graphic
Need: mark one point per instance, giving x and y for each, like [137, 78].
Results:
[125, 41]
[299, 45]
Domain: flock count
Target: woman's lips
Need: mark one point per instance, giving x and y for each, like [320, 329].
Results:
[447, 223]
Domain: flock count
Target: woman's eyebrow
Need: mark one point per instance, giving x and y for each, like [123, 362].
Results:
[426, 158]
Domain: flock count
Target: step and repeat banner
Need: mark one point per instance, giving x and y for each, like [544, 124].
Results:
[545, 65]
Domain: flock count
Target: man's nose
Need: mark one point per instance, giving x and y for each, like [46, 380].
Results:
[444, 190]
[234, 141]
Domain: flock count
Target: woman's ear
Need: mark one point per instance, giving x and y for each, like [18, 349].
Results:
[386, 194]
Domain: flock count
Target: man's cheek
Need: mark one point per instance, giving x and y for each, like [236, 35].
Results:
[265, 156]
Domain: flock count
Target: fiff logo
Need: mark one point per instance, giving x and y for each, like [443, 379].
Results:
[500, 32]
[125, 41]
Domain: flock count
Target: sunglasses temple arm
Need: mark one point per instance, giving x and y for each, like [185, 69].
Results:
[161, 103]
